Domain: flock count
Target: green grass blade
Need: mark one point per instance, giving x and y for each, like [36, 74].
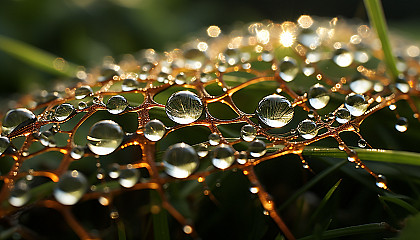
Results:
[377, 19]
[36, 57]
[325, 200]
[121, 230]
[400, 203]
[160, 220]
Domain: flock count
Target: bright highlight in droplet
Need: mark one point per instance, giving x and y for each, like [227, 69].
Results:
[287, 39]
[305, 21]
[213, 31]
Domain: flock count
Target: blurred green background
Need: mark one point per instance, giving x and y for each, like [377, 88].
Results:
[84, 31]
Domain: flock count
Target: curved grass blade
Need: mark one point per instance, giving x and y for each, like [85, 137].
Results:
[325, 200]
[400, 203]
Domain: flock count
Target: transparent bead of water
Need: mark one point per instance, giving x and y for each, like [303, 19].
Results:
[308, 70]
[402, 124]
[4, 144]
[309, 38]
[107, 73]
[162, 77]
[114, 171]
[184, 107]
[214, 139]
[145, 69]
[275, 111]
[104, 137]
[313, 56]
[311, 114]
[257, 148]
[242, 157]
[362, 143]
[70, 188]
[361, 85]
[83, 92]
[222, 66]
[206, 77]
[19, 195]
[202, 150]
[248, 133]
[181, 78]
[402, 84]
[116, 104]
[154, 130]
[223, 156]
[77, 152]
[342, 115]
[231, 56]
[318, 96]
[267, 56]
[82, 105]
[180, 160]
[307, 129]
[128, 177]
[342, 57]
[129, 84]
[194, 58]
[381, 182]
[63, 111]
[15, 117]
[288, 69]
[356, 104]
[46, 138]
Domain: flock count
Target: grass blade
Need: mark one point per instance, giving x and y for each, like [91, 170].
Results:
[400, 203]
[160, 219]
[325, 200]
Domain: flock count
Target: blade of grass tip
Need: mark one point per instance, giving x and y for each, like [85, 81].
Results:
[121, 230]
[324, 201]
[370, 228]
[160, 219]
[377, 19]
[311, 183]
[37, 57]
[400, 203]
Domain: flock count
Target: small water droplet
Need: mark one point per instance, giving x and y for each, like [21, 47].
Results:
[154, 130]
[381, 182]
[402, 124]
[114, 215]
[184, 107]
[82, 105]
[318, 96]
[257, 148]
[107, 73]
[231, 56]
[187, 229]
[15, 117]
[362, 143]
[83, 92]
[180, 160]
[116, 104]
[242, 157]
[308, 70]
[47, 138]
[63, 111]
[114, 171]
[248, 133]
[77, 152]
[194, 58]
[342, 57]
[351, 156]
[342, 115]
[129, 84]
[275, 111]
[223, 156]
[309, 38]
[356, 104]
[402, 84]
[214, 139]
[181, 78]
[361, 85]
[341, 146]
[128, 177]
[254, 189]
[307, 129]
[104, 137]
[19, 195]
[288, 69]
[70, 188]
[206, 77]
[4, 144]
[202, 150]
[267, 56]
[145, 69]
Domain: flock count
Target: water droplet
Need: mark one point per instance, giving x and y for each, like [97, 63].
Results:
[77, 152]
[402, 84]
[187, 229]
[342, 115]
[116, 104]
[257, 148]
[231, 56]
[362, 143]
[318, 96]
[114, 215]
[223, 156]
[206, 77]
[309, 38]
[19, 195]
[70, 188]
[214, 139]
[129, 84]
[342, 57]
[100, 173]
[145, 69]
[361, 85]
[307, 129]
[82, 92]
[194, 58]
[63, 111]
[381, 182]
[254, 189]
[352, 156]
[162, 77]
[248, 133]
[114, 171]
[184, 107]
[288, 69]
[4, 144]
[181, 78]
[82, 105]
[401, 124]
[202, 150]
[108, 73]
[154, 130]
[15, 117]
[356, 104]
[275, 111]
[267, 56]
[128, 177]
[104, 137]
[242, 157]
[308, 70]
[180, 160]
[46, 138]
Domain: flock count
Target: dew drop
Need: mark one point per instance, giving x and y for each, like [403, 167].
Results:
[116, 104]
[154, 130]
[77, 152]
[104, 137]
[194, 58]
[129, 84]
[214, 139]
[361, 85]
[19, 195]
[202, 150]
[162, 77]
[206, 77]
[187, 229]
[257, 148]
[180, 160]
[70, 188]
[223, 156]
[254, 189]
[114, 171]
[181, 78]
[242, 157]
[342, 115]
[362, 143]
[82, 105]
[402, 84]
[381, 182]
[63, 111]
[248, 133]
[145, 69]
[275, 111]
[307, 129]
[288, 69]
[342, 57]
[107, 73]
[231, 56]
[114, 215]
[128, 177]
[318, 96]
[308, 70]
[82, 92]
[184, 107]
[46, 138]
[356, 104]
[267, 56]
[309, 38]
[15, 117]
[4, 144]
[402, 124]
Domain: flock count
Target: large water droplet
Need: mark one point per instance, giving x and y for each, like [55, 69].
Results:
[248, 133]
[307, 129]
[402, 124]
[184, 107]
[70, 188]
[318, 96]
[19, 195]
[194, 58]
[128, 177]
[4, 144]
[63, 111]
[116, 104]
[288, 69]
[342, 57]
[104, 137]
[361, 85]
[223, 156]
[342, 115]
[275, 111]
[356, 104]
[15, 117]
[257, 148]
[154, 130]
[83, 92]
[129, 84]
[180, 160]
[309, 38]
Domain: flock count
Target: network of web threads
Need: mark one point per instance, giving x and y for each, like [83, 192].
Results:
[267, 52]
